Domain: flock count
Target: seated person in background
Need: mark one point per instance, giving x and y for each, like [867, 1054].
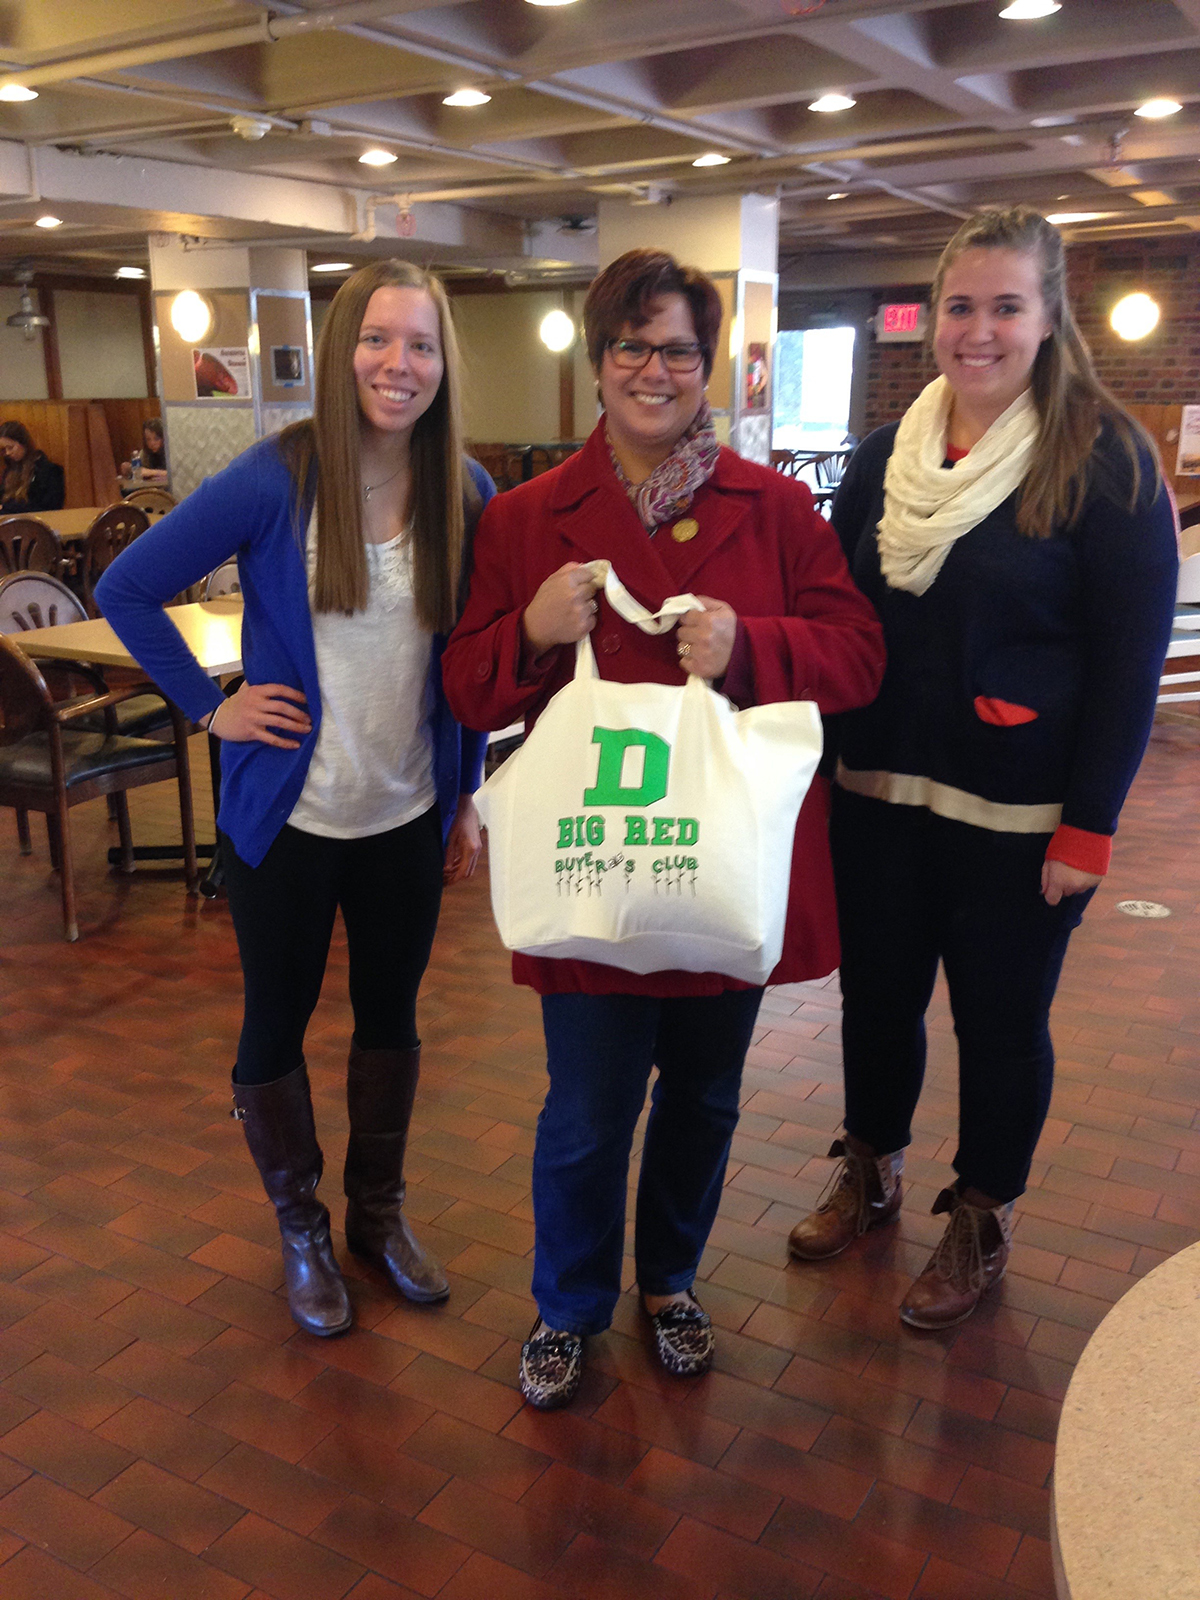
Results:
[154, 455]
[31, 481]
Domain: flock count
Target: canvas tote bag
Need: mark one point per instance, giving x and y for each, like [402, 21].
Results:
[649, 826]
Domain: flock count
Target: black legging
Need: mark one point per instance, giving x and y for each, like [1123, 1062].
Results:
[389, 888]
[913, 887]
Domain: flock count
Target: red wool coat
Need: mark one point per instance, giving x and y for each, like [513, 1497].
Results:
[804, 633]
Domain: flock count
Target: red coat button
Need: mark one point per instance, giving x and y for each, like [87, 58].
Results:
[610, 643]
[483, 671]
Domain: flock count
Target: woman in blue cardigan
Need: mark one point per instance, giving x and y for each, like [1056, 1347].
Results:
[345, 781]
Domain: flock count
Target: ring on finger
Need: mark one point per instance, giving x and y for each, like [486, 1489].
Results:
[684, 650]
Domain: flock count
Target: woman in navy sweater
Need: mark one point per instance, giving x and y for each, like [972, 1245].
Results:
[1018, 542]
[345, 781]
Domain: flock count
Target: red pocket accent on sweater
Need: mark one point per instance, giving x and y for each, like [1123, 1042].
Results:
[1002, 713]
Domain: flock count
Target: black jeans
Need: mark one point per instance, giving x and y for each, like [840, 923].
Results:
[599, 1049]
[389, 888]
[913, 887]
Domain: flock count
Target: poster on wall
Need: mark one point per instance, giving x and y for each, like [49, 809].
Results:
[1187, 464]
[756, 377]
[287, 366]
[222, 374]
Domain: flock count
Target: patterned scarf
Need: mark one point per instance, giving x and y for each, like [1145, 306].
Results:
[669, 489]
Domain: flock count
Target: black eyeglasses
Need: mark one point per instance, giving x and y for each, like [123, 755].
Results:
[633, 354]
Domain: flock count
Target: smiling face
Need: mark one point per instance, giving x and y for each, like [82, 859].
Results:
[991, 320]
[398, 364]
[649, 410]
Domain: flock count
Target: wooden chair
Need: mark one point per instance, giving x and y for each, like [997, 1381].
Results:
[47, 764]
[30, 600]
[789, 462]
[223, 582]
[28, 545]
[153, 500]
[108, 535]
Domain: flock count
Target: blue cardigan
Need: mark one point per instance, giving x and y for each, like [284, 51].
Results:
[247, 511]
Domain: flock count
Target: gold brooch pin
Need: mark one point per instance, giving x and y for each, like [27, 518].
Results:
[686, 528]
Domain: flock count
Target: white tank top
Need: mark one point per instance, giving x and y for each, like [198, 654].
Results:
[372, 768]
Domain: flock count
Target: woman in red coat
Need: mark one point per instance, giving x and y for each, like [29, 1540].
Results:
[654, 493]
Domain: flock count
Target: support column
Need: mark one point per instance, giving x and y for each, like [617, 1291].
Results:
[251, 372]
[735, 239]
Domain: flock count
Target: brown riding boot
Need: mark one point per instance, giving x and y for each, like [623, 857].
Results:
[971, 1257]
[277, 1120]
[864, 1192]
[380, 1088]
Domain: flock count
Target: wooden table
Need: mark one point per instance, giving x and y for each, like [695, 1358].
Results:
[212, 631]
[72, 523]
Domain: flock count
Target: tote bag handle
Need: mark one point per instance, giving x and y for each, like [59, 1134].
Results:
[623, 603]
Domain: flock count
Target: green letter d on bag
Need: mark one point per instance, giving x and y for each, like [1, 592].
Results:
[613, 744]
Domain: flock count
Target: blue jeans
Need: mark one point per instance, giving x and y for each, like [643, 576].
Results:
[600, 1049]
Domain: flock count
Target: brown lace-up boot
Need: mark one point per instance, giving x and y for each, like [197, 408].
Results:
[864, 1192]
[277, 1120]
[971, 1257]
[381, 1086]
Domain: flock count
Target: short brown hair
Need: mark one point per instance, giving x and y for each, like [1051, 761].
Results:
[323, 455]
[624, 292]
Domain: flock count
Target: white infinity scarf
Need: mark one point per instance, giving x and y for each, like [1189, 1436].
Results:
[926, 505]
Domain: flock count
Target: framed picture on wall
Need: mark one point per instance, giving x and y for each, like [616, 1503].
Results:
[287, 366]
[222, 374]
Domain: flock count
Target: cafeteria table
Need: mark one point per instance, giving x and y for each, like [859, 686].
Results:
[71, 524]
[212, 631]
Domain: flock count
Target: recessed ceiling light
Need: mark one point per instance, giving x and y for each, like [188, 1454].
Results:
[377, 158]
[49, 222]
[1030, 10]
[711, 158]
[330, 266]
[17, 91]
[1062, 218]
[833, 102]
[467, 97]
[130, 272]
[550, 2]
[1158, 108]
[838, 194]
[192, 316]
[556, 331]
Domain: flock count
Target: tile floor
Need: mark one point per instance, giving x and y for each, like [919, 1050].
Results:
[165, 1431]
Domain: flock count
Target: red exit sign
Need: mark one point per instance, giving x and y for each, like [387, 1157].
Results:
[900, 321]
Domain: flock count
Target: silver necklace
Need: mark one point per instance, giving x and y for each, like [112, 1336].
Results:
[369, 489]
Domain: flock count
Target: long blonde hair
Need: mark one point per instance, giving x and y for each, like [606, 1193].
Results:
[323, 457]
[1071, 401]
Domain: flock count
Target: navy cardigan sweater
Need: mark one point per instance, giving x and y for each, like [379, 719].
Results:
[1026, 674]
[247, 511]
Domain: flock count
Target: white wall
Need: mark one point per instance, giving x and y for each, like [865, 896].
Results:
[22, 366]
[510, 379]
[100, 348]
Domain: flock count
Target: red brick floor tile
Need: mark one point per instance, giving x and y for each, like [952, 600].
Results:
[286, 1566]
[871, 1403]
[518, 1535]
[85, 1398]
[984, 1444]
[76, 1530]
[260, 1419]
[281, 1370]
[11, 1474]
[766, 1411]
[1017, 1505]
[173, 1381]
[291, 1495]
[180, 1330]
[495, 1463]
[248, 1307]
[1033, 1414]
[341, 1398]
[171, 1507]
[911, 1466]
[162, 1228]
[709, 1557]
[927, 1525]
[591, 1570]
[463, 1394]
[684, 1430]
[177, 1443]
[607, 1454]
[1032, 1568]
[618, 1516]
[146, 1568]
[944, 1580]
[683, 1486]
[373, 1587]
[363, 1352]
[13, 1410]
[33, 1575]
[162, 1273]
[482, 1576]
[359, 1464]
[795, 1474]
[72, 1456]
[74, 1284]
[407, 1551]
[66, 1332]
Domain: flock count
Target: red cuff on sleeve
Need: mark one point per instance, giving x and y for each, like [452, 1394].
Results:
[1075, 847]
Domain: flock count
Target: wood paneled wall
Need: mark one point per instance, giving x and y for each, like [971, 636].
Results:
[90, 438]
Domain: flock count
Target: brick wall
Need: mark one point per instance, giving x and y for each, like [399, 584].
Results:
[1161, 369]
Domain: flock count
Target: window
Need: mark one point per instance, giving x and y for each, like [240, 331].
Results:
[813, 368]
